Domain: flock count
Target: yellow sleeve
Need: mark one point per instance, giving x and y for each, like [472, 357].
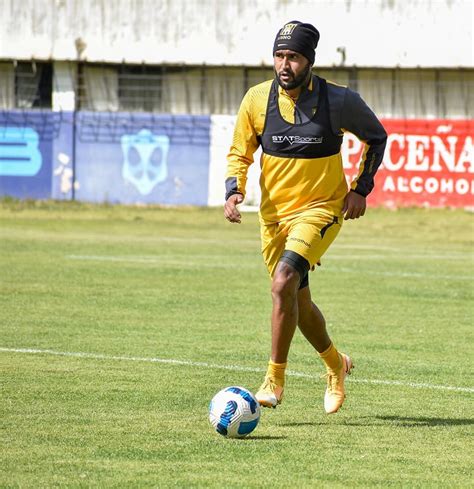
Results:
[244, 145]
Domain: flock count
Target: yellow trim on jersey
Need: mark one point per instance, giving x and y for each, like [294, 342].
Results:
[361, 166]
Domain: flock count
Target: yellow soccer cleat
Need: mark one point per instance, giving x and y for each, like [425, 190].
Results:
[269, 394]
[335, 394]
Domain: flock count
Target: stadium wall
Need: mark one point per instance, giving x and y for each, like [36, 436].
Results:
[383, 33]
[140, 158]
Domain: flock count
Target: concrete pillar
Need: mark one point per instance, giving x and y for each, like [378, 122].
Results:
[64, 86]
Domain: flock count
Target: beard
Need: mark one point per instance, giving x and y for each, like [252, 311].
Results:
[295, 81]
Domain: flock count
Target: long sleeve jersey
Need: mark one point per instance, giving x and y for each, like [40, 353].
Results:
[292, 184]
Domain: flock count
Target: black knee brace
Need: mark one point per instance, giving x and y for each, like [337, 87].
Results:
[300, 264]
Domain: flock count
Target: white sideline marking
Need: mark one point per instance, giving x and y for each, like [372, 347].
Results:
[162, 260]
[237, 368]
[401, 274]
[165, 261]
[415, 253]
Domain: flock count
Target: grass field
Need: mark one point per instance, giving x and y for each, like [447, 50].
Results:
[119, 324]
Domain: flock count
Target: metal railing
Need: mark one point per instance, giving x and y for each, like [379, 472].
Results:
[202, 90]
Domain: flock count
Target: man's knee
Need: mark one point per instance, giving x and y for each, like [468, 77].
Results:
[290, 273]
[285, 280]
[297, 263]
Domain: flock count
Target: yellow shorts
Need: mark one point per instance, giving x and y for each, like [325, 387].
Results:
[309, 234]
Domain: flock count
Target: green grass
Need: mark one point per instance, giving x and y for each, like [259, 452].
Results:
[123, 285]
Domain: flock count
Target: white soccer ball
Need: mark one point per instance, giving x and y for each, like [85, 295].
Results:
[234, 412]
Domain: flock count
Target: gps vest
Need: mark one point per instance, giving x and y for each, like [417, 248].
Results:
[311, 139]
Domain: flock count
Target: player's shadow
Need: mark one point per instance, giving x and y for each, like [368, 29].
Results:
[409, 421]
[402, 421]
[262, 437]
[304, 423]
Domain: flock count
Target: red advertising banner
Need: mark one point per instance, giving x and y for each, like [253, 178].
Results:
[426, 163]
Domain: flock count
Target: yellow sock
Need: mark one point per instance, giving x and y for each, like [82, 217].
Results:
[277, 372]
[331, 358]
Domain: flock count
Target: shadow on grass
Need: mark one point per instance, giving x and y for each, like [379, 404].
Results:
[305, 423]
[262, 437]
[426, 421]
[403, 421]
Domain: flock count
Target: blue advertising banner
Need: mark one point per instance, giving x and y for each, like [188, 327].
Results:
[26, 140]
[105, 157]
[142, 158]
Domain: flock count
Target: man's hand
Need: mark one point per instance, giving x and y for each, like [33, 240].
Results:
[354, 206]
[231, 212]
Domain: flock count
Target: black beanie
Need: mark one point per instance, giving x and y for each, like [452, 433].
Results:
[299, 37]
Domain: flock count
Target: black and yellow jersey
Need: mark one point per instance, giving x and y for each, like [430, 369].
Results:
[301, 163]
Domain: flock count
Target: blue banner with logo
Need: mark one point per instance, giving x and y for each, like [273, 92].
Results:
[142, 158]
[105, 157]
[26, 147]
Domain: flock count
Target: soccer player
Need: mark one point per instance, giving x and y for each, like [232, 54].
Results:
[299, 120]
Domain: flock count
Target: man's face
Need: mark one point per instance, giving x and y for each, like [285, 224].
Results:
[291, 69]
